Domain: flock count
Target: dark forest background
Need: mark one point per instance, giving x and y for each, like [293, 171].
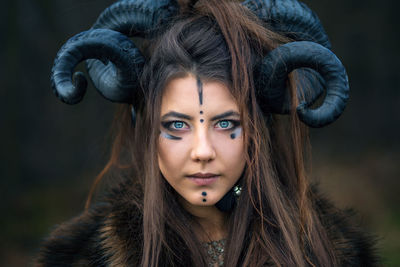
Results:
[50, 152]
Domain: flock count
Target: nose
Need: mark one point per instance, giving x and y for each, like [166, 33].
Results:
[203, 149]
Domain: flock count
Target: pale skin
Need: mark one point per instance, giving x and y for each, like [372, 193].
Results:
[201, 135]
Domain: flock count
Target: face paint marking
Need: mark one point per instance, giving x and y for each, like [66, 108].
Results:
[201, 120]
[204, 200]
[201, 112]
[204, 193]
[171, 137]
[236, 133]
[200, 90]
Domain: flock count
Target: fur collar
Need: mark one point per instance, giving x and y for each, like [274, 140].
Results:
[110, 234]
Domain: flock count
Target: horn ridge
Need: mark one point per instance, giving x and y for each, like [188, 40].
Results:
[291, 18]
[136, 17]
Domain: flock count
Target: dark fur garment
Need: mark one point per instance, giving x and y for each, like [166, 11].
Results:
[110, 234]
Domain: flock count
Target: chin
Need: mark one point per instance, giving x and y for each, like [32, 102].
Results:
[198, 201]
[211, 200]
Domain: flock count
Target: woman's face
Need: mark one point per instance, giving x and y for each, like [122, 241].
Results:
[201, 147]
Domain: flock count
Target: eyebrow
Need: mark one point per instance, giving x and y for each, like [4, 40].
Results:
[176, 114]
[225, 114]
[187, 117]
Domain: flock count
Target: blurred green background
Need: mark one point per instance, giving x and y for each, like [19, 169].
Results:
[50, 152]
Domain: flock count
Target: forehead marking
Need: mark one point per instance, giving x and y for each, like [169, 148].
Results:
[200, 90]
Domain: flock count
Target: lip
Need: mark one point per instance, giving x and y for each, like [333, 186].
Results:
[203, 178]
[202, 175]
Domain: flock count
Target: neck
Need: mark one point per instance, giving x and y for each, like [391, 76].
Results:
[212, 221]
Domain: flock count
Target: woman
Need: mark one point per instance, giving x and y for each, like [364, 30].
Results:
[211, 174]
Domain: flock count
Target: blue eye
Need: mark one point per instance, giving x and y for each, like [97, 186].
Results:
[227, 124]
[174, 125]
[177, 124]
[224, 124]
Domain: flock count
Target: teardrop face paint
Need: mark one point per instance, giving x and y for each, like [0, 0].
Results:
[236, 133]
[202, 161]
[168, 136]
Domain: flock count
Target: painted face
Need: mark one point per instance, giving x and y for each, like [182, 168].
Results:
[201, 147]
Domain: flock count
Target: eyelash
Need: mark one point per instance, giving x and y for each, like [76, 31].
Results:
[167, 125]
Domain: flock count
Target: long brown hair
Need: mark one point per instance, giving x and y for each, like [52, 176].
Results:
[274, 220]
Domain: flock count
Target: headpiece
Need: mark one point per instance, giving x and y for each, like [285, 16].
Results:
[114, 62]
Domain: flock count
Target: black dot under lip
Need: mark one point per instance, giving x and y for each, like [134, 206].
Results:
[201, 120]
[201, 112]
[204, 200]
[204, 193]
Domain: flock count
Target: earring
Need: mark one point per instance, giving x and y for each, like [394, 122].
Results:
[237, 190]
[228, 201]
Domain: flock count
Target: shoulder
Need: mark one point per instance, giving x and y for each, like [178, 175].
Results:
[352, 245]
[109, 232]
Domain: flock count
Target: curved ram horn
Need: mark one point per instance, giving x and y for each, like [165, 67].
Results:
[133, 18]
[123, 60]
[298, 22]
[288, 57]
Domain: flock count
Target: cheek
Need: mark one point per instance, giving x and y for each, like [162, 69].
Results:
[231, 153]
[172, 155]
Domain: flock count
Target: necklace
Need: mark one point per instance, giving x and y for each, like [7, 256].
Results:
[215, 252]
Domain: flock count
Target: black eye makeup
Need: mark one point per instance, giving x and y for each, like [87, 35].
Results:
[171, 137]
